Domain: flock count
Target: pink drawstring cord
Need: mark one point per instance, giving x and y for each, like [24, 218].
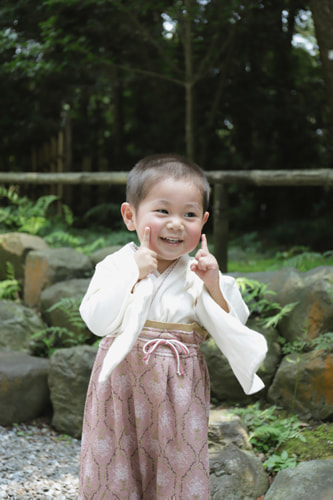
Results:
[151, 345]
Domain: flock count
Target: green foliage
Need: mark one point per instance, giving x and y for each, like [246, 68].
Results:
[323, 342]
[277, 462]
[302, 259]
[255, 295]
[60, 238]
[269, 431]
[10, 288]
[96, 55]
[318, 442]
[46, 341]
[19, 213]
[270, 436]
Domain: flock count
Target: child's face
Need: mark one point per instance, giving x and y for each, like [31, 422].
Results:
[174, 213]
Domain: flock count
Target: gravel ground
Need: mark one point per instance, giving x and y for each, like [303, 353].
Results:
[38, 463]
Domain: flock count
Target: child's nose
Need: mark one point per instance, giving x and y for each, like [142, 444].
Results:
[175, 223]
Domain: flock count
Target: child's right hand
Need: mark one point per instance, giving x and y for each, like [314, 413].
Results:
[145, 258]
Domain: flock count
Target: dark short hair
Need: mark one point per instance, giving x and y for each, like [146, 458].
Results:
[154, 168]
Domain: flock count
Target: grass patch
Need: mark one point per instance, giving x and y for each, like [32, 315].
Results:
[300, 258]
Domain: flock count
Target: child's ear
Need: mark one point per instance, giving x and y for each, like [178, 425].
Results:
[205, 218]
[128, 213]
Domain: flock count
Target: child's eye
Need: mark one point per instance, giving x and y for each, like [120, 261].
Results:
[190, 214]
[161, 211]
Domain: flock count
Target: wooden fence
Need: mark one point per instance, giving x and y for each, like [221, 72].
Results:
[218, 179]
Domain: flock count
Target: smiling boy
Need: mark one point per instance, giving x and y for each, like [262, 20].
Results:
[154, 304]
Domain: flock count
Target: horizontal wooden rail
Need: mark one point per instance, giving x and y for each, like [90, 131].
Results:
[319, 177]
[219, 180]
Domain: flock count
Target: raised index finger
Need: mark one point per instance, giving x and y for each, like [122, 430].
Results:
[146, 237]
[204, 245]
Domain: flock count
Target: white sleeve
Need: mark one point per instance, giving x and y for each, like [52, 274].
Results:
[234, 299]
[244, 348]
[109, 292]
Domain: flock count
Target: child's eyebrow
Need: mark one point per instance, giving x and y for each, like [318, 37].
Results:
[188, 204]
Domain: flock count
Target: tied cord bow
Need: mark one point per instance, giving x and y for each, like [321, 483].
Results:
[175, 345]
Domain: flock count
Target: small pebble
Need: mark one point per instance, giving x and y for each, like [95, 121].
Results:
[37, 463]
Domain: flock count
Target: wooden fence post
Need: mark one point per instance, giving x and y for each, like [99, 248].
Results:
[221, 225]
[60, 161]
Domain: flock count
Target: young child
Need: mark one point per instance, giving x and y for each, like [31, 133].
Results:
[145, 431]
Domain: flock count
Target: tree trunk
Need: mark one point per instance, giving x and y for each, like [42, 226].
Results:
[118, 124]
[322, 13]
[189, 82]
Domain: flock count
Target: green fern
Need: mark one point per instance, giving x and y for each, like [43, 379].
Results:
[19, 213]
[49, 339]
[255, 295]
[63, 238]
[10, 288]
[323, 342]
[269, 431]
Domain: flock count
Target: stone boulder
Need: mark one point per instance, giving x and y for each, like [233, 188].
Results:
[226, 428]
[303, 382]
[235, 472]
[24, 392]
[17, 324]
[312, 291]
[99, 255]
[44, 268]
[69, 376]
[236, 475]
[224, 385]
[308, 481]
[71, 289]
[14, 248]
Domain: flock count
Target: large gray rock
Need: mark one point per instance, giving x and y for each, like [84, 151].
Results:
[308, 481]
[235, 472]
[226, 428]
[312, 291]
[69, 377]
[17, 324]
[99, 255]
[14, 248]
[44, 268]
[24, 392]
[303, 383]
[224, 385]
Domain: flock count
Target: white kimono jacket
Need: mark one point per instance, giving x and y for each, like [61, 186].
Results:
[115, 304]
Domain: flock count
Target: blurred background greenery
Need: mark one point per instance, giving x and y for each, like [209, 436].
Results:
[235, 85]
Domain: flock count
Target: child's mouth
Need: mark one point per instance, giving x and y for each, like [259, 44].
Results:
[172, 240]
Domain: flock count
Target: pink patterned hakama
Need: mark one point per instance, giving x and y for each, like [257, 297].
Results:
[145, 429]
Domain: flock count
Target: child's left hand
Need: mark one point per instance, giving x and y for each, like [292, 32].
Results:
[206, 266]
